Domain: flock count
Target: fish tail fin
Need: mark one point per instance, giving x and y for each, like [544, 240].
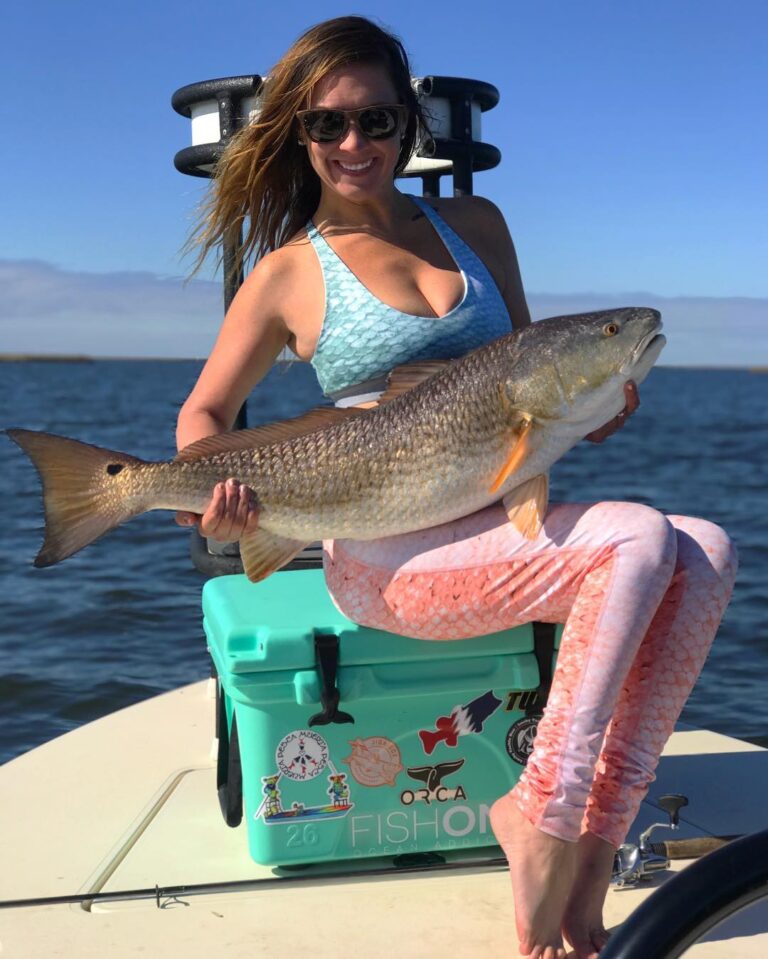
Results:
[83, 497]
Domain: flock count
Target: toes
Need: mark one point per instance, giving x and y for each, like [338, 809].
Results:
[552, 952]
[583, 948]
[599, 938]
[544, 952]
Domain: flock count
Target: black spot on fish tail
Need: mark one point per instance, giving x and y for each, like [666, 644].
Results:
[114, 468]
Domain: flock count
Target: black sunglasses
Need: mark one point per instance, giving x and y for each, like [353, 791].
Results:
[375, 123]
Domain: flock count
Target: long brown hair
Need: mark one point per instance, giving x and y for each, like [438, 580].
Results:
[264, 182]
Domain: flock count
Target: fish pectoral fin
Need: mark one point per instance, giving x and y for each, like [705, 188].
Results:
[406, 377]
[263, 553]
[317, 419]
[517, 455]
[526, 505]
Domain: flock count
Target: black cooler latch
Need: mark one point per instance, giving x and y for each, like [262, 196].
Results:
[327, 659]
[544, 648]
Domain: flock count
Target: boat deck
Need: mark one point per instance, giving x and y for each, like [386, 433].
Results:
[129, 802]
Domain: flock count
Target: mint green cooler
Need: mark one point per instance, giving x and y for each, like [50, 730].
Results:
[355, 742]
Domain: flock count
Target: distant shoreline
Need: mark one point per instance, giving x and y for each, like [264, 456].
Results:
[77, 358]
[84, 358]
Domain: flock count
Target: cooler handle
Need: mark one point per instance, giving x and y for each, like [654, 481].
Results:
[392, 679]
[441, 676]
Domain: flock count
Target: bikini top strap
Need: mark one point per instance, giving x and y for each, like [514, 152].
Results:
[458, 249]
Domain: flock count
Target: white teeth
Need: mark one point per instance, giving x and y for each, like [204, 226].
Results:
[354, 167]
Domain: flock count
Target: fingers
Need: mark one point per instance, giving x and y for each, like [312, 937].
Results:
[632, 401]
[186, 519]
[631, 396]
[605, 431]
[231, 512]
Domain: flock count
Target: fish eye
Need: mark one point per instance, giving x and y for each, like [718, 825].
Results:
[611, 329]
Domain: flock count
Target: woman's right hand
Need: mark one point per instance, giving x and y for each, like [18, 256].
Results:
[231, 513]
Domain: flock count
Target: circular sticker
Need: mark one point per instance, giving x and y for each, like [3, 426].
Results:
[302, 755]
[520, 738]
[374, 761]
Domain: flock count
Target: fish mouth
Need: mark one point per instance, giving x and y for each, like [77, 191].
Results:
[651, 342]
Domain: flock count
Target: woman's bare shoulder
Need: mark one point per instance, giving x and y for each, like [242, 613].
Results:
[477, 221]
[278, 270]
[286, 287]
[470, 215]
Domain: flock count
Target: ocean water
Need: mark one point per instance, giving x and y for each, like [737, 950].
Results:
[121, 621]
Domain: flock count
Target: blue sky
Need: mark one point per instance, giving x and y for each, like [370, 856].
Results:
[633, 138]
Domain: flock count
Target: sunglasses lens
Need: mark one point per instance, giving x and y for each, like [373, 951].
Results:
[324, 126]
[378, 123]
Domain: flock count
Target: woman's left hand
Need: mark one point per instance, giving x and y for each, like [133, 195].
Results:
[633, 401]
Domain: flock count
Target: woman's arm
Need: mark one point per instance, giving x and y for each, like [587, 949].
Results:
[511, 283]
[251, 336]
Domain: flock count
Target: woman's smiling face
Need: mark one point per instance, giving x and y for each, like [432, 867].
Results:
[354, 167]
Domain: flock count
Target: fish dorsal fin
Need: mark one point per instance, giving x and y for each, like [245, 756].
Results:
[517, 454]
[405, 377]
[526, 505]
[263, 553]
[263, 435]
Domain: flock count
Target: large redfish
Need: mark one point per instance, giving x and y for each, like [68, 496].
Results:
[449, 438]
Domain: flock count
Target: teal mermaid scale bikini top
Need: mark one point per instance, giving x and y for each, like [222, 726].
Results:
[362, 339]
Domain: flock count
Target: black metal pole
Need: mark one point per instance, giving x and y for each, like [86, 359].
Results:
[430, 184]
[462, 176]
[233, 271]
[227, 118]
[233, 280]
[461, 130]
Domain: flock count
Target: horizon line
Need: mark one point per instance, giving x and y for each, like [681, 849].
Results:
[88, 358]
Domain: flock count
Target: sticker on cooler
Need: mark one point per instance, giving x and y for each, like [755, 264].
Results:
[521, 699]
[419, 827]
[520, 737]
[463, 720]
[374, 761]
[434, 790]
[301, 756]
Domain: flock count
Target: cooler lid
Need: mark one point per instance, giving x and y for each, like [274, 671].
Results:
[272, 626]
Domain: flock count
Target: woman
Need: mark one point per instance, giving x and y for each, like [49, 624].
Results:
[357, 278]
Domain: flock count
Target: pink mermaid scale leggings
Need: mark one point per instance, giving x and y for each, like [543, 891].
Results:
[641, 596]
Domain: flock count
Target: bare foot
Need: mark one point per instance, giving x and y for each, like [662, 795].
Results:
[542, 868]
[583, 920]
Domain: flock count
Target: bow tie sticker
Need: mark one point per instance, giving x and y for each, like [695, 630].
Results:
[462, 721]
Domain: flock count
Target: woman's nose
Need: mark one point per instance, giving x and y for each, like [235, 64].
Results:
[353, 139]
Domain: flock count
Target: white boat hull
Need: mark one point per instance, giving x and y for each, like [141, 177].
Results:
[129, 802]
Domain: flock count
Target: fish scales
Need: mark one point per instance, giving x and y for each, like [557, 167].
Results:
[367, 475]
